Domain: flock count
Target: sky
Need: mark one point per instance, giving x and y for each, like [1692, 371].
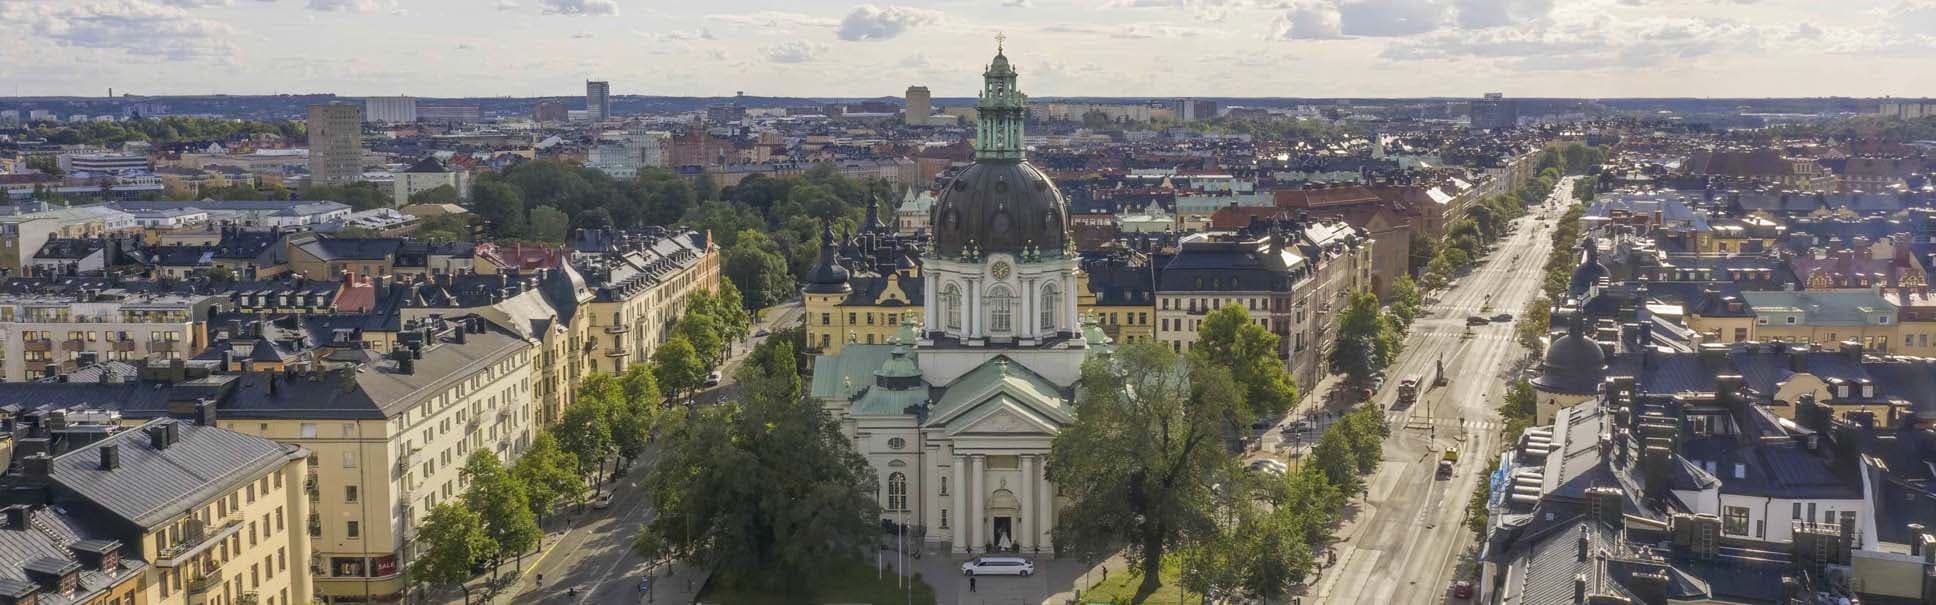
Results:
[829, 48]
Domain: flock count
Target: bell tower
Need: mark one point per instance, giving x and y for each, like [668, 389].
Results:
[1001, 110]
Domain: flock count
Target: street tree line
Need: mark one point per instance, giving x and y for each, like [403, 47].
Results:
[611, 419]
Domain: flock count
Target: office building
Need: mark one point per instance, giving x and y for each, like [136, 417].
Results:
[335, 143]
[1494, 112]
[104, 163]
[1192, 110]
[598, 101]
[1908, 109]
[550, 111]
[919, 106]
[390, 110]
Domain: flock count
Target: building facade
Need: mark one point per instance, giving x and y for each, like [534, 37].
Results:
[598, 101]
[335, 143]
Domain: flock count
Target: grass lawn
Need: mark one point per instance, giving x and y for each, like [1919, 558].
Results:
[1122, 586]
[853, 582]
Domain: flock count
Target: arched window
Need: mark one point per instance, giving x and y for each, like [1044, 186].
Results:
[897, 492]
[951, 306]
[1050, 300]
[1000, 310]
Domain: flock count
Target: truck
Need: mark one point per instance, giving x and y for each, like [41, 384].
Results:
[1407, 391]
[1446, 461]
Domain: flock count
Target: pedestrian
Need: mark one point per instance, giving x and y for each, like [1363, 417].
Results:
[1105, 572]
[971, 583]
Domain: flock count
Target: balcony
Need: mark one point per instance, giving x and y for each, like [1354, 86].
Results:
[163, 346]
[73, 344]
[473, 424]
[616, 352]
[617, 329]
[40, 345]
[309, 485]
[202, 584]
[122, 346]
[248, 598]
[198, 540]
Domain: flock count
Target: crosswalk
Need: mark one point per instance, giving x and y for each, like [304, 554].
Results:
[1406, 420]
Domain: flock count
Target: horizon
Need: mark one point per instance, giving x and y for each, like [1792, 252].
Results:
[1264, 49]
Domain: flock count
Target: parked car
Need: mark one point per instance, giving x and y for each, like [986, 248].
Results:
[998, 566]
[712, 380]
[1269, 466]
[1462, 589]
[1300, 426]
[761, 334]
[1502, 317]
[603, 501]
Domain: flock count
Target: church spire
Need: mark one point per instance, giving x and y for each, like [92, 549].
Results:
[1002, 110]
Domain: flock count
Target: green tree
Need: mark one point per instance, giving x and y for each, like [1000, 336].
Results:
[441, 194]
[636, 415]
[1229, 339]
[444, 228]
[678, 366]
[757, 266]
[1364, 428]
[1533, 323]
[702, 330]
[548, 225]
[1520, 408]
[1356, 351]
[500, 499]
[1420, 253]
[765, 488]
[1403, 300]
[1258, 553]
[550, 477]
[1333, 457]
[585, 432]
[360, 195]
[500, 206]
[1147, 434]
[450, 543]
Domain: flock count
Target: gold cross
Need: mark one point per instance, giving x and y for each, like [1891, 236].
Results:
[999, 39]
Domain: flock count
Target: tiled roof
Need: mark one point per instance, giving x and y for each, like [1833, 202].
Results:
[154, 485]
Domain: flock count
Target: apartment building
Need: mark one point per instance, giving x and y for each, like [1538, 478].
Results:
[23, 234]
[640, 282]
[335, 143]
[215, 514]
[1261, 272]
[44, 552]
[53, 328]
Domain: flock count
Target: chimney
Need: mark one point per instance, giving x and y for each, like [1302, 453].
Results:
[1916, 539]
[275, 381]
[1579, 589]
[16, 517]
[37, 466]
[1584, 544]
[406, 364]
[159, 437]
[110, 457]
[462, 332]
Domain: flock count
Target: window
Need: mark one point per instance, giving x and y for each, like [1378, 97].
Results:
[1734, 520]
[1050, 300]
[944, 486]
[896, 443]
[349, 493]
[951, 306]
[349, 459]
[1001, 312]
[308, 430]
[897, 492]
[352, 530]
[1797, 515]
[944, 522]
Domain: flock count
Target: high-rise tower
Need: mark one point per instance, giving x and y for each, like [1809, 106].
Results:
[598, 101]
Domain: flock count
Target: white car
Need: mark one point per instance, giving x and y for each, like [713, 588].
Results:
[603, 501]
[712, 380]
[998, 566]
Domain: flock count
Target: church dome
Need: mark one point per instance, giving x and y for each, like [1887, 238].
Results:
[827, 276]
[1574, 364]
[1000, 206]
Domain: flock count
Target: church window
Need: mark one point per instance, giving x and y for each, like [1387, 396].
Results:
[944, 485]
[951, 303]
[896, 443]
[944, 518]
[897, 492]
[1000, 310]
[1050, 300]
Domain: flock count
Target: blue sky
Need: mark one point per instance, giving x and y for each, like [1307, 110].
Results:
[1573, 48]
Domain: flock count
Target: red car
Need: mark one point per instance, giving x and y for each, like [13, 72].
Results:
[1462, 589]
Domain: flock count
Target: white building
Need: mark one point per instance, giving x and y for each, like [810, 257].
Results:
[624, 156]
[958, 413]
[104, 163]
[390, 110]
[428, 174]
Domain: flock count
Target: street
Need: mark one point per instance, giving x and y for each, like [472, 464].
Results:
[1405, 540]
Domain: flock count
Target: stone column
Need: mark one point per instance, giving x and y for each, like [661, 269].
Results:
[931, 294]
[973, 323]
[957, 532]
[1024, 537]
[1069, 303]
[1029, 329]
[973, 516]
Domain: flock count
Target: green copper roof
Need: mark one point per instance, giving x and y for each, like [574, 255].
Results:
[1002, 378]
[842, 376]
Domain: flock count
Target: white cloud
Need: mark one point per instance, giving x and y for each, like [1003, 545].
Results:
[869, 22]
[1587, 41]
[1392, 17]
[775, 20]
[793, 51]
[506, 5]
[582, 36]
[195, 3]
[350, 6]
[1018, 3]
[140, 27]
[1495, 13]
[1132, 31]
[1309, 21]
[579, 7]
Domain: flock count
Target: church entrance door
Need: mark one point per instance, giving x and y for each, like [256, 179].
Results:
[1005, 533]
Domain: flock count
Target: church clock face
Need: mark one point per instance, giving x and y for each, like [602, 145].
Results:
[1000, 270]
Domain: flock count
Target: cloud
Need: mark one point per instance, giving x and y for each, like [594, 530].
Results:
[582, 36]
[1309, 21]
[140, 27]
[778, 20]
[793, 51]
[195, 3]
[869, 22]
[1018, 4]
[1477, 14]
[506, 5]
[350, 6]
[579, 7]
[1379, 18]
[1132, 31]
[1589, 41]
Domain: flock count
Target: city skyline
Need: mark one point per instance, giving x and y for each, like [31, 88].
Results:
[1125, 48]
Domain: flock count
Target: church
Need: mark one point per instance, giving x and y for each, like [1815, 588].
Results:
[957, 410]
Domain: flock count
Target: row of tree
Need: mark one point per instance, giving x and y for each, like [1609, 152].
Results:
[164, 130]
[1370, 334]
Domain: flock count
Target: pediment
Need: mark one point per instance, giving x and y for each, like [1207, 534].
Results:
[1002, 416]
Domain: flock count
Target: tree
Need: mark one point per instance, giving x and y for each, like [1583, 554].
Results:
[1332, 456]
[360, 195]
[1229, 339]
[500, 206]
[729, 309]
[441, 194]
[1139, 459]
[1403, 300]
[444, 228]
[450, 543]
[635, 415]
[1534, 322]
[1356, 350]
[500, 499]
[1421, 252]
[758, 268]
[1364, 428]
[584, 432]
[1520, 408]
[549, 476]
[1259, 552]
[766, 488]
[548, 225]
[702, 331]
[678, 366]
